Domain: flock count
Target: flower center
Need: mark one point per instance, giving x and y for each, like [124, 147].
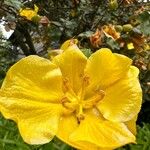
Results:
[76, 103]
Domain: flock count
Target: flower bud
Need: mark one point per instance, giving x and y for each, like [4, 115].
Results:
[118, 28]
[113, 4]
[127, 27]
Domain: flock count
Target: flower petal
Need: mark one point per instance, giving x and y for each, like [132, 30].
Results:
[67, 125]
[102, 133]
[123, 99]
[104, 68]
[131, 124]
[37, 122]
[72, 63]
[30, 96]
[34, 78]
[68, 43]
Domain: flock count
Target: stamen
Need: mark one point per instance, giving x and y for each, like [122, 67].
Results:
[67, 104]
[94, 99]
[101, 92]
[70, 106]
[64, 100]
[75, 103]
[84, 85]
[80, 114]
[68, 88]
[66, 84]
[86, 80]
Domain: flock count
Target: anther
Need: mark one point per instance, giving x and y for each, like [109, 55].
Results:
[80, 118]
[64, 100]
[85, 83]
[66, 84]
[86, 80]
[101, 93]
[67, 104]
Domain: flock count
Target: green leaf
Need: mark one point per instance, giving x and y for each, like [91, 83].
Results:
[145, 23]
[14, 3]
[113, 44]
[86, 52]
[85, 34]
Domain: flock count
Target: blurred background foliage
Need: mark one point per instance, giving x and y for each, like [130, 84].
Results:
[121, 25]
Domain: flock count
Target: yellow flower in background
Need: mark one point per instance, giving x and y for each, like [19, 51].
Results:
[29, 13]
[147, 47]
[130, 46]
[91, 104]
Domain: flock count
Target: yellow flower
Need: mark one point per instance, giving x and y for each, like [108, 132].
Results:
[29, 13]
[130, 46]
[91, 104]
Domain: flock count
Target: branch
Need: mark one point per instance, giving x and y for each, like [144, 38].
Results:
[29, 41]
